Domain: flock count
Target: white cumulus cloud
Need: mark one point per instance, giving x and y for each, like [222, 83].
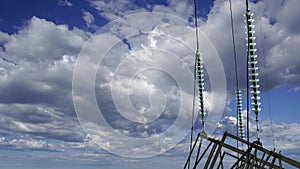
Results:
[65, 3]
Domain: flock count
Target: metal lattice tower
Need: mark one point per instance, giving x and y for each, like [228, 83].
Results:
[224, 154]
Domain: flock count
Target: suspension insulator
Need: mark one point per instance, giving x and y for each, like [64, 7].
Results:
[240, 117]
[252, 67]
[200, 80]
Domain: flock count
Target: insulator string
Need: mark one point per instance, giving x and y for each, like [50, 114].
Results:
[239, 125]
[253, 69]
[200, 80]
[195, 77]
[199, 72]
[240, 116]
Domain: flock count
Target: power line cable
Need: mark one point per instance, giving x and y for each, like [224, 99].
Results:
[265, 76]
[247, 90]
[194, 82]
[239, 124]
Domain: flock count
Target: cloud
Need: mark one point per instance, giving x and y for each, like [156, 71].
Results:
[37, 120]
[45, 54]
[296, 89]
[286, 136]
[114, 9]
[36, 94]
[65, 3]
[37, 145]
[89, 19]
[126, 73]
[42, 40]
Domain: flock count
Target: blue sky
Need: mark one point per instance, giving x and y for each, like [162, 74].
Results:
[147, 59]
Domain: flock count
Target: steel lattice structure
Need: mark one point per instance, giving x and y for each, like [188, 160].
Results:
[218, 152]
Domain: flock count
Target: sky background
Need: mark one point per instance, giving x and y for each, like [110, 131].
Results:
[40, 42]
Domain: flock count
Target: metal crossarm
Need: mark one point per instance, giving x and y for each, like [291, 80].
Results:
[218, 152]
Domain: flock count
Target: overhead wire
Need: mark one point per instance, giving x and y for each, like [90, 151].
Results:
[266, 77]
[198, 78]
[194, 82]
[199, 72]
[193, 110]
[240, 131]
[196, 25]
[247, 92]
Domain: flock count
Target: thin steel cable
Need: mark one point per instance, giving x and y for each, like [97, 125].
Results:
[193, 110]
[247, 4]
[194, 92]
[247, 103]
[247, 89]
[266, 77]
[236, 69]
[196, 24]
[234, 46]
